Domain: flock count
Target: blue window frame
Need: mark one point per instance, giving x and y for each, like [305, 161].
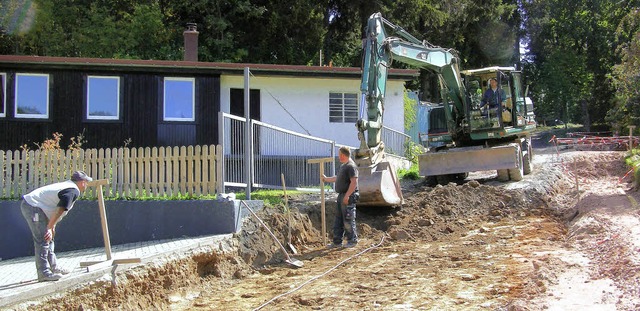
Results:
[103, 98]
[32, 96]
[179, 99]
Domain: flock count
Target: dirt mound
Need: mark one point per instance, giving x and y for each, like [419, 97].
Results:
[258, 248]
[146, 287]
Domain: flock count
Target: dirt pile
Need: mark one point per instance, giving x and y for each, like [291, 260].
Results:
[258, 248]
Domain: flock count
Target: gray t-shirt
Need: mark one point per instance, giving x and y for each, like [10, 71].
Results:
[345, 173]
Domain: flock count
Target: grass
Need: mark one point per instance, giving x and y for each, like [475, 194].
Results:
[270, 197]
[633, 160]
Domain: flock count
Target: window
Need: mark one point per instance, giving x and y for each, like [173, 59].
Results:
[32, 96]
[3, 92]
[179, 99]
[103, 98]
[343, 107]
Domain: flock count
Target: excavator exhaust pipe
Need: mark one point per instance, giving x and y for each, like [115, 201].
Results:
[379, 185]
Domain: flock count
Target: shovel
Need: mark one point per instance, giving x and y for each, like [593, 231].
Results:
[286, 205]
[292, 261]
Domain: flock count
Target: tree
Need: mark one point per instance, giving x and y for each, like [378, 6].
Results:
[585, 29]
[626, 74]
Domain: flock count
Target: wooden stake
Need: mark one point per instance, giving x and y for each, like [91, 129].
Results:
[322, 161]
[286, 204]
[95, 265]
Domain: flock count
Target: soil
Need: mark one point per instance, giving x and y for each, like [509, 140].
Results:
[567, 237]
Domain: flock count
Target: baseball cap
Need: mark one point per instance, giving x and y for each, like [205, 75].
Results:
[80, 175]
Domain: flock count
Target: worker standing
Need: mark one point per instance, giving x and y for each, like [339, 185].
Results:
[346, 181]
[43, 208]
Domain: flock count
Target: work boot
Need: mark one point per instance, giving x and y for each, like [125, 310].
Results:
[351, 244]
[333, 245]
[62, 271]
[47, 277]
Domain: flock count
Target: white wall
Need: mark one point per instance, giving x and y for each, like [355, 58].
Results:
[307, 99]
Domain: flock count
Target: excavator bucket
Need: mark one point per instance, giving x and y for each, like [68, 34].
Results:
[379, 185]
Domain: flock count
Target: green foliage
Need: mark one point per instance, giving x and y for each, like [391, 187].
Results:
[270, 197]
[572, 49]
[411, 174]
[633, 161]
[412, 151]
[626, 75]
[410, 111]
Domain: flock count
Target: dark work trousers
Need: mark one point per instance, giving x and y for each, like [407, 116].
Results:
[44, 251]
[344, 224]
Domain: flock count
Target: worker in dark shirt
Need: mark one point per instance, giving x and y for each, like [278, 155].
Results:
[493, 96]
[43, 208]
[346, 181]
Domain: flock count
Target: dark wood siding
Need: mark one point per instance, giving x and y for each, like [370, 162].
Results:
[208, 97]
[140, 112]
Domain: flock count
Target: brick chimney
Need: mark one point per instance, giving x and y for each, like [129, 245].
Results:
[191, 43]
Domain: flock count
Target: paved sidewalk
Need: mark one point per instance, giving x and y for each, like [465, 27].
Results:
[18, 278]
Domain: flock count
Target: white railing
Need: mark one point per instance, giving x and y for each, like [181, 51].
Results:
[395, 142]
[275, 151]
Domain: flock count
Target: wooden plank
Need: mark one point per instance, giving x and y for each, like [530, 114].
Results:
[211, 170]
[176, 170]
[22, 182]
[183, 170]
[126, 261]
[197, 174]
[161, 169]
[322, 161]
[107, 166]
[118, 178]
[154, 171]
[98, 182]
[31, 171]
[134, 172]
[9, 181]
[140, 181]
[322, 206]
[219, 169]
[204, 177]
[189, 161]
[103, 222]
[112, 170]
[147, 170]
[319, 160]
[39, 167]
[168, 158]
[96, 265]
[126, 178]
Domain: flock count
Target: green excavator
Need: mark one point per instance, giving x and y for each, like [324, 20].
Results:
[480, 136]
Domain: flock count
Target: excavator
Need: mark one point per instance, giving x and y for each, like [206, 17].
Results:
[479, 137]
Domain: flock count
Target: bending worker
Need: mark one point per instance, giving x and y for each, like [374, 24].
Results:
[43, 208]
[346, 181]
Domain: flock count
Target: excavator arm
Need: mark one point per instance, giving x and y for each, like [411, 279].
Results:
[379, 50]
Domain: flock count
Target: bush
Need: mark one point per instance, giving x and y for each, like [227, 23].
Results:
[410, 174]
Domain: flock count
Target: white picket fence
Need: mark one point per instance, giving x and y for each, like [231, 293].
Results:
[132, 172]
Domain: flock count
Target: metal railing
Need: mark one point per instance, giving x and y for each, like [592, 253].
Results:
[394, 141]
[275, 151]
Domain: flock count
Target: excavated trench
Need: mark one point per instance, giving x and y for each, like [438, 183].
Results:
[474, 245]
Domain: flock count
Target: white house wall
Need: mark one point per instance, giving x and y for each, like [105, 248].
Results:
[307, 99]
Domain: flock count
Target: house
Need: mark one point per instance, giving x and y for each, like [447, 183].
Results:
[145, 103]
